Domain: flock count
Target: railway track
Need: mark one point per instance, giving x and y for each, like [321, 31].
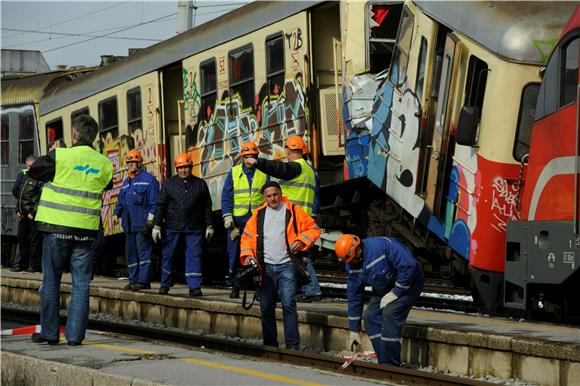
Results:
[300, 358]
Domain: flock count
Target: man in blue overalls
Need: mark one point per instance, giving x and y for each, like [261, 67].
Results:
[240, 197]
[136, 208]
[396, 279]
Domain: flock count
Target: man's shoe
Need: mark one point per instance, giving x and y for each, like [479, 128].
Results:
[195, 292]
[16, 269]
[31, 270]
[311, 298]
[140, 286]
[130, 287]
[235, 294]
[37, 338]
[163, 290]
[74, 343]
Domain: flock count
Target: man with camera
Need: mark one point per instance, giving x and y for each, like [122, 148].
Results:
[275, 249]
[240, 197]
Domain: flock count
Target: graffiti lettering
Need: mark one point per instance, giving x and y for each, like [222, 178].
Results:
[503, 204]
[294, 39]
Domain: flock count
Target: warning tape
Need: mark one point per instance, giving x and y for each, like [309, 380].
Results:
[28, 330]
[352, 358]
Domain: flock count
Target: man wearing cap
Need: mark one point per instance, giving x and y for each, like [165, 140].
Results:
[240, 197]
[184, 212]
[300, 183]
[135, 209]
[396, 279]
[276, 231]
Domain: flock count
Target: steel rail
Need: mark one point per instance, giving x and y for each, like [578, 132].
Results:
[301, 358]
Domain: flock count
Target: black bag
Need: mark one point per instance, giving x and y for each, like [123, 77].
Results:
[298, 258]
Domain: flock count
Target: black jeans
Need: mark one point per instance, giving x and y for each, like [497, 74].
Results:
[30, 245]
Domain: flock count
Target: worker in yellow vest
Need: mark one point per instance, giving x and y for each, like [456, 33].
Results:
[301, 185]
[69, 213]
[240, 197]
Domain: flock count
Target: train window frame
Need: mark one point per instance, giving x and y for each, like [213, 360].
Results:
[29, 140]
[250, 81]
[370, 41]
[421, 68]
[134, 122]
[5, 142]
[103, 131]
[208, 97]
[48, 125]
[404, 35]
[275, 73]
[563, 101]
[523, 132]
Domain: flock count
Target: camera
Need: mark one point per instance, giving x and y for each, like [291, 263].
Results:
[249, 274]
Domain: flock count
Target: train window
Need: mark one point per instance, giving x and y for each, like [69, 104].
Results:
[525, 120]
[54, 131]
[401, 55]
[208, 87]
[548, 96]
[108, 119]
[241, 74]
[275, 64]
[569, 71]
[421, 68]
[382, 23]
[25, 137]
[77, 113]
[475, 82]
[134, 110]
[5, 140]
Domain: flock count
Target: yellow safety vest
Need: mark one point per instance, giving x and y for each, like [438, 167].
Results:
[301, 189]
[73, 198]
[247, 198]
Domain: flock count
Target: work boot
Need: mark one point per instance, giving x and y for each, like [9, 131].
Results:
[163, 290]
[310, 298]
[193, 292]
[37, 338]
[141, 286]
[16, 269]
[130, 287]
[235, 294]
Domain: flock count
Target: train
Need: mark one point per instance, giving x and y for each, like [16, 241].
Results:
[420, 119]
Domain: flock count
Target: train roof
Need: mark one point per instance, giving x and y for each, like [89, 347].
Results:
[224, 28]
[519, 31]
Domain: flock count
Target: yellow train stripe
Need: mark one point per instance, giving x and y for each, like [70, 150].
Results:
[254, 373]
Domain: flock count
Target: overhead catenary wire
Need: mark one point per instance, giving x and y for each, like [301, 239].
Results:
[81, 34]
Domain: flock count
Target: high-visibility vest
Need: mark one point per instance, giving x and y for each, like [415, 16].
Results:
[247, 198]
[73, 198]
[301, 189]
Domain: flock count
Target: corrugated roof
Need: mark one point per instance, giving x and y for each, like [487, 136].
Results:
[227, 27]
[519, 31]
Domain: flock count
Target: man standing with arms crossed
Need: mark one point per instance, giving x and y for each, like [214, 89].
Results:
[136, 207]
[240, 197]
[69, 212]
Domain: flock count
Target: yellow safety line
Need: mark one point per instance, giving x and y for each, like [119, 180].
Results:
[118, 348]
[255, 373]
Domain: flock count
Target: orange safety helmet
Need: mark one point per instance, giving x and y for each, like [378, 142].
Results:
[345, 247]
[182, 159]
[249, 148]
[133, 156]
[295, 142]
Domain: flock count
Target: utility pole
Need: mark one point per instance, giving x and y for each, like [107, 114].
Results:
[185, 9]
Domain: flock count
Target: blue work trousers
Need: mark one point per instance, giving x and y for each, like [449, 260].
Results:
[55, 254]
[138, 252]
[279, 282]
[312, 288]
[384, 326]
[193, 252]
[233, 249]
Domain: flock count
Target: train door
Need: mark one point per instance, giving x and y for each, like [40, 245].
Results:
[441, 144]
[172, 129]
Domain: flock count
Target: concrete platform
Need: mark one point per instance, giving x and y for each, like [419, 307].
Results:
[459, 343]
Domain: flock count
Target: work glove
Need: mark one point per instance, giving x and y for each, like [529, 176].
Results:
[209, 233]
[355, 341]
[388, 298]
[234, 233]
[148, 228]
[228, 222]
[156, 233]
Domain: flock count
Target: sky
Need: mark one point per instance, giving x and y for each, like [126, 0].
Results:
[47, 26]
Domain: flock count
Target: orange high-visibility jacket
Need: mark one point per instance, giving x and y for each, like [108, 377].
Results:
[299, 226]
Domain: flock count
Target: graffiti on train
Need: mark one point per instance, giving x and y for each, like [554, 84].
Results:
[191, 96]
[503, 203]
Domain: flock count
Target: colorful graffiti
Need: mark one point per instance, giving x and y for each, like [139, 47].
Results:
[503, 203]
[191, 96]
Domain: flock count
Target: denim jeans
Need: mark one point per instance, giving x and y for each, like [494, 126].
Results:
[193, 252]
[279, 282]
[138, 251]
[384, 326]
[56, 252]
[312, 288]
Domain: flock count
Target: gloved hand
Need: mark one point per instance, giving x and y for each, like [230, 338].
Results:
[228, 222]
[355, 341]
[208, 233]
[388, 298]
[156, 233]
[147, 229]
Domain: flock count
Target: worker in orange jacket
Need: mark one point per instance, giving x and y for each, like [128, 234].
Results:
[289, 231]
